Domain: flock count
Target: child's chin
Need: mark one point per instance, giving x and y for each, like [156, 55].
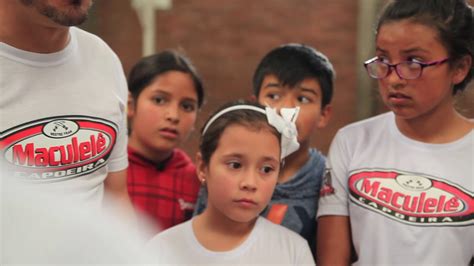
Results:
[245, 218]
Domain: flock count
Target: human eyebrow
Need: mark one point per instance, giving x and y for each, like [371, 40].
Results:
[416, 50]
[308, 90]
[380, 50]
[233, 155]
[272, 85]
[271, 159]
[189, 100]
[160, 91]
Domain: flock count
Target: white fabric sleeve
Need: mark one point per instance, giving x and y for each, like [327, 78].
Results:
[119, 158]
[338, 165]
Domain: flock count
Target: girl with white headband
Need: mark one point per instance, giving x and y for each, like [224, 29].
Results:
[241, 150]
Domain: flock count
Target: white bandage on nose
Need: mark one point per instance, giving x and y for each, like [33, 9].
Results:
[285, 124]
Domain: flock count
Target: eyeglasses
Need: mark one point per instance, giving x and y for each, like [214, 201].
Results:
[378, 69]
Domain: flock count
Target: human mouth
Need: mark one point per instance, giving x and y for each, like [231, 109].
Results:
[246, 203]
[169, 133]
[398, 98]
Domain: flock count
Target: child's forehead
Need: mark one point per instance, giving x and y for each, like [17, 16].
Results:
[244, 139]
[246, 126]
[235, 131]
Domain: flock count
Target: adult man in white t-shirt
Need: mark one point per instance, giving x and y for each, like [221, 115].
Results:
[62, 109]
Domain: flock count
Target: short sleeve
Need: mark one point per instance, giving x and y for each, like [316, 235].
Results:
[119, 160]
[336, 203]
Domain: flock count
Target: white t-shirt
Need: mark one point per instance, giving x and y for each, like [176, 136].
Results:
[268, 243]
[62, 116]
[409, 202]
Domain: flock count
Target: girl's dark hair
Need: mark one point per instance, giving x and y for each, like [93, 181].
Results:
[150, 67]
[453, 19]
[248, 118]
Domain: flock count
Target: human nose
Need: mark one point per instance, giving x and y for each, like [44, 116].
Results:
[393, 75]
[249, 181]
[286, 102]
[172, 113]
[397, 68]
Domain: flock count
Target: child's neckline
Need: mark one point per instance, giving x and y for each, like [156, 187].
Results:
[235, 252]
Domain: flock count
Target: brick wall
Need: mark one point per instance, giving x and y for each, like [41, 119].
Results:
[226, 39]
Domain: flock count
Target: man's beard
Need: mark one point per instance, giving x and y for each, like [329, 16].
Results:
[72, 16]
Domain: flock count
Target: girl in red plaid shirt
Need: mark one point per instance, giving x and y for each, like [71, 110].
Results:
[165, 95]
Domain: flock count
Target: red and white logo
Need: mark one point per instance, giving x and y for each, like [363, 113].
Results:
[412, 198]
[58, 148]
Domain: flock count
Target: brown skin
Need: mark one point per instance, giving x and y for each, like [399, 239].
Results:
[163, 115]
[334, 238]
[426, 111]
[27, 28]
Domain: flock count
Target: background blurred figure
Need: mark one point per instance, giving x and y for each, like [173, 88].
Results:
[43, 229]
[166, 94]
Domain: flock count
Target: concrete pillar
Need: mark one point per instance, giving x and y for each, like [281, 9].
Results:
[146, 13]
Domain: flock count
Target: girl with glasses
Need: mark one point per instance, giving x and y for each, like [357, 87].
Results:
[402, 182]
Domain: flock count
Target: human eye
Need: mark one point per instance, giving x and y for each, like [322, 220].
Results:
[415, 58]
[234, 165]
[273, 96]
[303, 99]
[267, 169]
[159, 99]
[414, 62]
[189, 106]
[382, 59]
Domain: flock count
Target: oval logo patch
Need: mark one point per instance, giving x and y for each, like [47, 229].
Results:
[58, 148]
[412, 198]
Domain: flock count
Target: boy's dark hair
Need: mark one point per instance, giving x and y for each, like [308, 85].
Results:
[250, 119]
[150, 67]
[452, 19]
[291, 64]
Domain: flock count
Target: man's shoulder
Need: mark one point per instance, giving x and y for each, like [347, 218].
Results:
[89, 41]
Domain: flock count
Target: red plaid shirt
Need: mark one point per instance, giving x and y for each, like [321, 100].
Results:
[166, 193]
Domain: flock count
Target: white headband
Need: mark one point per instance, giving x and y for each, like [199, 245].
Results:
[284, 123]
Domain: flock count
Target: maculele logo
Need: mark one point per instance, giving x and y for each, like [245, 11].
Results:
[58, 148]
[412, 198]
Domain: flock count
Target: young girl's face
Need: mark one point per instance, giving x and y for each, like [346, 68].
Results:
[241, 174]
[164, 114]
[429, 94]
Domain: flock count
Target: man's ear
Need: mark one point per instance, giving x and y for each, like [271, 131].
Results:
[130, 106]
[461, 69]
[201, 168]
[325, 116]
